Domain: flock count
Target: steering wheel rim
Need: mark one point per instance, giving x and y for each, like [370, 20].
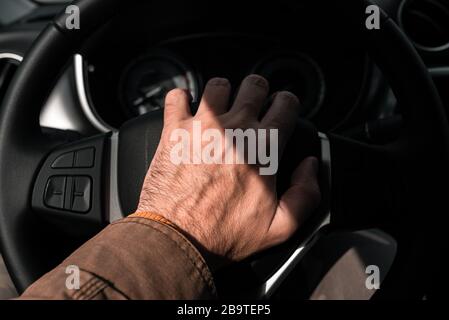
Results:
[25, 147]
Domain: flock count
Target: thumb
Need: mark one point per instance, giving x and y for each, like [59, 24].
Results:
[297, 203]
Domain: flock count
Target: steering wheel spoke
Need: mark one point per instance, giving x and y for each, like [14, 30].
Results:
[70, 187]
[352, 177]
[365, 184]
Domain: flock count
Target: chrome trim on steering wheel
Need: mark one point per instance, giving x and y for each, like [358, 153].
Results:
[275, 281]
[90, 114]
[13, 56]
[115, 210]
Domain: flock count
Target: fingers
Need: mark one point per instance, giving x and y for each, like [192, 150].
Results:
[177, 106]
[251, 96]
[216, 97]
[282, 115]
[297, 203]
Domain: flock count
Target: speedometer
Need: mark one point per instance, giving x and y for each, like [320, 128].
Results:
[147, 80]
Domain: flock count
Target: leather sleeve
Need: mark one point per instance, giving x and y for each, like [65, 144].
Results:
[134, 258]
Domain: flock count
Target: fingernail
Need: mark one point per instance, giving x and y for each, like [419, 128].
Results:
[258, 81]
[290, 96]
[218, 82]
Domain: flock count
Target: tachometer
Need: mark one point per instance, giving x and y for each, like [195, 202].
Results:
[297, 73]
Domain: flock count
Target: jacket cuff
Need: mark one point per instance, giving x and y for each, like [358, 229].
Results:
[143, 259]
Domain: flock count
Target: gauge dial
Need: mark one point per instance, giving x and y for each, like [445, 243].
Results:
[296, 73]
[147, 81]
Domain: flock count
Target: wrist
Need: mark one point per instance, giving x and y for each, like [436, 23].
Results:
[214, 262]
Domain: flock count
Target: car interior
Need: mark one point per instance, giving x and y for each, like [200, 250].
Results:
[87, 105]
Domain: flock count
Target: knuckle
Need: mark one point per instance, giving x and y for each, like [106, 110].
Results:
[278, 123]
[246, 105]
[242, 120]
[242, 111]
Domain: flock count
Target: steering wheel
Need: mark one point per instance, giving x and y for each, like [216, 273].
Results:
[54, 193]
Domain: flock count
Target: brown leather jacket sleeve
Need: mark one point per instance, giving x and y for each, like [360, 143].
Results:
[134, 258]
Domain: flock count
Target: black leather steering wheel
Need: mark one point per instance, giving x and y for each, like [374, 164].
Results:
[400, 187]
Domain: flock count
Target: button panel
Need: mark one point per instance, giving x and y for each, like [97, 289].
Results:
[69, 186]
[81, 194]
[55, 192]
[83, 158]
[64, 161]
[71, 193]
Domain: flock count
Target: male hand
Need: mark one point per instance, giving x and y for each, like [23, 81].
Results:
[229, 211]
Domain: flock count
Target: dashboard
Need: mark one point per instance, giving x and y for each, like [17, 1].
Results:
[130, 75]
[141, 82]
